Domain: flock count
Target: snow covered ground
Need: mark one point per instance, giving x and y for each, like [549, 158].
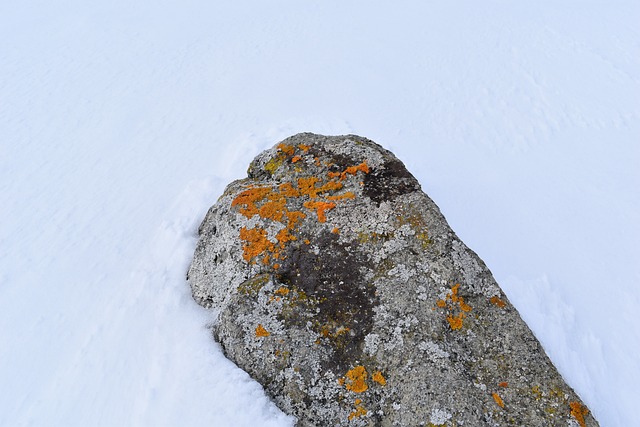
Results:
[121, 122]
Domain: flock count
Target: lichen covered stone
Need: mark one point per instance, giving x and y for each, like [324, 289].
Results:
[342, 290]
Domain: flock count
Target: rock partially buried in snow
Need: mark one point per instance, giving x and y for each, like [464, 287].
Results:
[343, 291]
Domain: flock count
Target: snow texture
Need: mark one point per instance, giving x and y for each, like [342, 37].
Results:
[120, 122]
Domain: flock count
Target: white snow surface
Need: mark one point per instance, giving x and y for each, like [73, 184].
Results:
[121, 122]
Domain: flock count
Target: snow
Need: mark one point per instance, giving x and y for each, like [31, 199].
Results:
[121, 123]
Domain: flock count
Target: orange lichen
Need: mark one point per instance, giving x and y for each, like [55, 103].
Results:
[286, 149]
[274, 210]
[377, 377]
[294, 218]
[325, 331]
[303, 147]
[256, 242]
[284, 236]
[352, 170]
[464, 306]
[356, 379]
[503, 384]
[307, 186]
[286, 189]
[320, 208]
[359, 410]
[454, 293]
[455, 321]
[261, 331]
[498, 400]
[347, 195]
[249, 198]
[578, 411]
[307, 241]
[497, 301]
[341, 331]
[329, 186]
[271, 203]
[276, 266]
[282, 291]
[335, 230]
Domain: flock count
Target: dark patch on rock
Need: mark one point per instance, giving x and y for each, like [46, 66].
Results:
[344, 292]
[389, 182]
[333, 278]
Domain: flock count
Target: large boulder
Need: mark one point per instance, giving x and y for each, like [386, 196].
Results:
[341, 288]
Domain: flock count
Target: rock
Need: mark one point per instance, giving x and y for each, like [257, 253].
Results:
[342, 290]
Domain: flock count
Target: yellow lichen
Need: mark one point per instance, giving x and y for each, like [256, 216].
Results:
[356, 379]
[261, 331]
[379, 378]
[498, 400]
[252, 286]
[273, 165]
[578, 411]
[536, 392]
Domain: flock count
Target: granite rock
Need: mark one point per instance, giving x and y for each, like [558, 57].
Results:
[340, 287]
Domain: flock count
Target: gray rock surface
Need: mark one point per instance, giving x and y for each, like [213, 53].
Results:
[342, 290]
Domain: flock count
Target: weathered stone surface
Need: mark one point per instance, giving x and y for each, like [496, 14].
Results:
[343, 291]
